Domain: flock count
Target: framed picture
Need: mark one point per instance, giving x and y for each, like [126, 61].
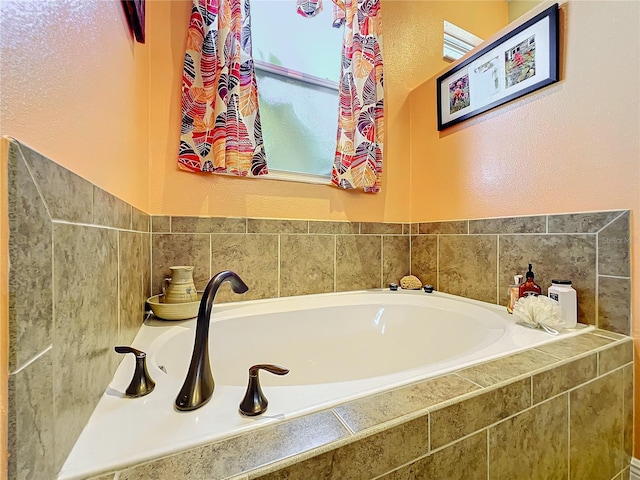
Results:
[520, 62]
[135, 10]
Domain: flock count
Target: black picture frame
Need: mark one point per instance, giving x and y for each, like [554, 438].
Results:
[522, 61]
[135, 12]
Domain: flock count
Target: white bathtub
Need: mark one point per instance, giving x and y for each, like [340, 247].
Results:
[338, 347]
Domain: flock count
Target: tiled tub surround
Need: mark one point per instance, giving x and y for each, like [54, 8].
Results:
[472, 258]
[85, 253]
[79, 277]
[562, 410]
[278, 258]
[478, 259]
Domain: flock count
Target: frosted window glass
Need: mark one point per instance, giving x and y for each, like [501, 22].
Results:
[299, 124]
[282, 37]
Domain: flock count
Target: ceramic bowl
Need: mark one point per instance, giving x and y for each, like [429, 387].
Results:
[173, 311]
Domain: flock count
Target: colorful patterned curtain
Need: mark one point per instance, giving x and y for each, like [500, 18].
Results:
[358, 160]
[221, 130]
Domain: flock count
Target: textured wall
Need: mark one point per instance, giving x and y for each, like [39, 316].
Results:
[412, 47]
[75, 87]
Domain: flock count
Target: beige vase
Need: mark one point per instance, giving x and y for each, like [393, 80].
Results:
[179, 288]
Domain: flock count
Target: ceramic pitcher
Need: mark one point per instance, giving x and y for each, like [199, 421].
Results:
[179, 288]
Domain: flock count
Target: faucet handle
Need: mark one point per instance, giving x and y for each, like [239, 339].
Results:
[141, 383]
[254, 402]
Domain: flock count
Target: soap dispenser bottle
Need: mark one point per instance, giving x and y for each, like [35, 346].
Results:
[529, 287]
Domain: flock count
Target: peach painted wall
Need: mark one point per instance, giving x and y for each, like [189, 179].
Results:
[75, 87]
[574, 146]
[413, 51]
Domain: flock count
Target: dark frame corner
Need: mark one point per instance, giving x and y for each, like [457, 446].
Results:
[551, 59]
[135, 13]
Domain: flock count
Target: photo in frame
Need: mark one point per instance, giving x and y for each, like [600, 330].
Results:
[520, 62]
[135, 13]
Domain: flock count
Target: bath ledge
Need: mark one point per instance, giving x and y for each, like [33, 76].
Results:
[258, 446]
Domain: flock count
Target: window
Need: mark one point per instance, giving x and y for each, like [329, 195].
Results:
[457, 42]
[297, 62]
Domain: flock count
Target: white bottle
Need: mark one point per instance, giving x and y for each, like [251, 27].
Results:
[562, 292]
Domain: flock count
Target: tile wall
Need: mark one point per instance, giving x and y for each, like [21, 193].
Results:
[88, 261]
[79, 277]
[478, 259]
[281, 257]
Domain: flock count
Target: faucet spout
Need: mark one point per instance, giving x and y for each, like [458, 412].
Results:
[198, 385]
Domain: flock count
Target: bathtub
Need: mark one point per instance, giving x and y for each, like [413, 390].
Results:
[338, 347]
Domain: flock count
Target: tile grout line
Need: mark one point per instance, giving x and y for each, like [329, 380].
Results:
[498, 270]
[488, 455]
[624, 212]
[568, 435]
[615, 276]
[438, 262]
[32, 360]
[596, 312]
[278, 269]
[33, 180]
[343, 422]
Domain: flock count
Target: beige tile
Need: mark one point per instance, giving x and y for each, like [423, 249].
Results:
[537, 224]
[502, 369]
[31, 422]
[367, 458]
[424, 258]
[67, 196]
[395, 259]
[334, 228]
[468, 266]
[30, 253]
[596, 423]
[531, 445]
[358, 262]
[449, 228]
[381, 228]
[615, 357]
[85, 289]
[613, 248]
[627, 418]
[253, 257]
[306, 264]
[168, 250]
[134, 252]
[609, 334]
[553, 256]
[262, 225]
[614, 304]
[581, 222]
[106, 476]
[245, 452]
[465, 417]
[573, 346]
[110, 211]
[466, 459]
[160, 224]
[560, 379]
[208, 225]
[415, 228]
[140, 221]
[373, 410]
